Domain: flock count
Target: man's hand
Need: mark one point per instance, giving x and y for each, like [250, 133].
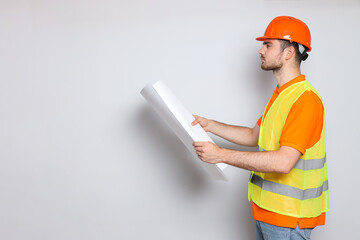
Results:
[204, 123]
[208, 152]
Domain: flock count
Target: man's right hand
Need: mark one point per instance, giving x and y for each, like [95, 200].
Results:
[239, 135]
[204, 123]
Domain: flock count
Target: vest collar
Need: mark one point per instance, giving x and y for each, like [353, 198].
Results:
[288, 84]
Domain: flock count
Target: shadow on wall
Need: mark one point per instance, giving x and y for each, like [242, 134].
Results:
[176, 162]
[181, 171]
[242, 209]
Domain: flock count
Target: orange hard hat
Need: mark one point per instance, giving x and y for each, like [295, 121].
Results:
[288, 28]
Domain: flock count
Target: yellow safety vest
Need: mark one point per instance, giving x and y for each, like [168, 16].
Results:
[304, 191]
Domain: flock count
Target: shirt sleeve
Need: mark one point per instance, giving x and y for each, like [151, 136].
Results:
[259, 121]
[304, 123]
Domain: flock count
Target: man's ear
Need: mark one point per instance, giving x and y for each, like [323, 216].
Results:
[289, 52]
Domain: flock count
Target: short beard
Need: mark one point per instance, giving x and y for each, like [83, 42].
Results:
[271, 67]
[274, 66]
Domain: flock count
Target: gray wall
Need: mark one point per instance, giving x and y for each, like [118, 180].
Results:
[83, 156]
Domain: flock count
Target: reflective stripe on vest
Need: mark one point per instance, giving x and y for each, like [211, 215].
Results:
[309, 164]
[289, 190]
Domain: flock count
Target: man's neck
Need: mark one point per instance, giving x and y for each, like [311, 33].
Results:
[283, 76]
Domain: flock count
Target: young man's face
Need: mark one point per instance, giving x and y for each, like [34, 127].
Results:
[271, 55]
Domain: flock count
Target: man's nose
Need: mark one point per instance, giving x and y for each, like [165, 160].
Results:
[261, 51]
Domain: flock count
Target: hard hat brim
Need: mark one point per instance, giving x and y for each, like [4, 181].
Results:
[265, 37]
[261, 38]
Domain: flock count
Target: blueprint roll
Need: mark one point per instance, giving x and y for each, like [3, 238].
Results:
[179, 119]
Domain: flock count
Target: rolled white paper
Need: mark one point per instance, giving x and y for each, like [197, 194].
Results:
[179, 119]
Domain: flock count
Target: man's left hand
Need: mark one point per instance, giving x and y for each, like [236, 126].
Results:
[208, 152]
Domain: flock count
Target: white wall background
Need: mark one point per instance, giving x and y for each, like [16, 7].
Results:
[83, 156]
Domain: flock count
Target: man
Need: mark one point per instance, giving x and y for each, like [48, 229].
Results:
[288, 184]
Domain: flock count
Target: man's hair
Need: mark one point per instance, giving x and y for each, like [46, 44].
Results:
[285, 44]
